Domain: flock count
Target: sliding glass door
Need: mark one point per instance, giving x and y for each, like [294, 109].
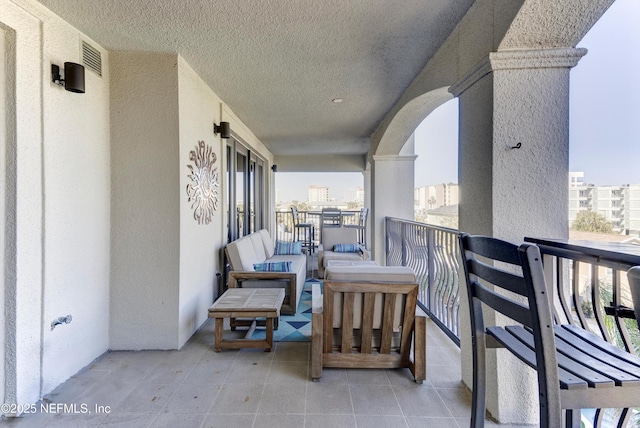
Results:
[245, 201]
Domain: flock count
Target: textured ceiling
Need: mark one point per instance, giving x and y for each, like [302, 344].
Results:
[278, 63]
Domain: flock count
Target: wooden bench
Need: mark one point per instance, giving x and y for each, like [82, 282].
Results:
[247, 303]
[576, 369]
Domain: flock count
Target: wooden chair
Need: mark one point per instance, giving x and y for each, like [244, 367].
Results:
[576, 369]
[368, 324]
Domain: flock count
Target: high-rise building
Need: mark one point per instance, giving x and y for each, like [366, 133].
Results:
[619, 204]
[436, 196]
[317, 194]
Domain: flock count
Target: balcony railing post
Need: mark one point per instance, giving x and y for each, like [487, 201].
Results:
[431, 268]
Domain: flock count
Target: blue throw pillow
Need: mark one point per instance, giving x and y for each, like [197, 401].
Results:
[288, 248]
[273, 267]
[346, 248]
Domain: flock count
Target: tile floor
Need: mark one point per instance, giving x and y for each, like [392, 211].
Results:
[197, 387]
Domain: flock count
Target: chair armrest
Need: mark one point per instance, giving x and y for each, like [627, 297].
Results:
[236, 275]
[316, 299]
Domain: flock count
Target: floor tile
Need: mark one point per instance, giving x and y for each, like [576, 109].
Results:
[147, 398]
[421, 401]
[368, 376]
[192, 398]
[333, 421]
[237, 398]
[370, 421]
[228, 421]
[172, 420]
[374, 400]
[279, 421]
[424, 422]
[329, 399]
[129, 420]
[277, 398]
[286, 372]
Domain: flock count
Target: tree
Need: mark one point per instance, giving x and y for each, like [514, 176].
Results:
[591, 221]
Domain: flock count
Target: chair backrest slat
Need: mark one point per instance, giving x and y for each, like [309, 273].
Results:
[514, 310]
[387, 323]
[492, 248]
[496, 276]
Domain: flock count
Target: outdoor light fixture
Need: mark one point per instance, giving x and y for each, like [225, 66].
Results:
[73, 80]
[223, 129]
[274, 168]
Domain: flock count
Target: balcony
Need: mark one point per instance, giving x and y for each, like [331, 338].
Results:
[253, 388]
[119, 202]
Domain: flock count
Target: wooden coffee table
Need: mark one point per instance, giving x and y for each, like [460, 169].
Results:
[247, 303]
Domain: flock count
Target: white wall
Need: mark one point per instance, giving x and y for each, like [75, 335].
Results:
[145, 201]
[59, 259]
[164, 263]
[199, 244]
[4, 112]
[77, 218]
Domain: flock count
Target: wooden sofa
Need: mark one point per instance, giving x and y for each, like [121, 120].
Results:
[366, 317]
[259, 247]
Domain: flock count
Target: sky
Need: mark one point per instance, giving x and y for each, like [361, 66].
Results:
[604, 135]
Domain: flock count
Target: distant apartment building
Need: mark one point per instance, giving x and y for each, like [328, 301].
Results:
[354, 195]
[436, 196]
[620, 204]
[317, 194]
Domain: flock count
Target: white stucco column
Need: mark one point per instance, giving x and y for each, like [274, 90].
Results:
[392, 183]
[513, 170]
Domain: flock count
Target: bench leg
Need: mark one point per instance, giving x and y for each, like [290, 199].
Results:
[269, 324]
[219, 327]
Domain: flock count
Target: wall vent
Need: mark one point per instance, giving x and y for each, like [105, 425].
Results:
[91, 58]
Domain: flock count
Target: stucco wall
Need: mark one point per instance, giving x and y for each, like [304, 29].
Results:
[145, 205]
[76, 206]
[199, 108]
[57, 170]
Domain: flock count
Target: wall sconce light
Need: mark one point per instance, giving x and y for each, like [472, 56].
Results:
[274, 168]
[73, 77]
[223, 129]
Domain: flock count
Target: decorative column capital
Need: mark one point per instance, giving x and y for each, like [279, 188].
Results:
[518, 59]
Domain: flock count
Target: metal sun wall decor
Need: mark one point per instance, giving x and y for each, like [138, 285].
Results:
[203, 192]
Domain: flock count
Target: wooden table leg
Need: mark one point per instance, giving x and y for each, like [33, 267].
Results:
[269, 325]
[219, 327]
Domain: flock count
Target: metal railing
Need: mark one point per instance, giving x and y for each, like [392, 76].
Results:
[591, 290]
[432, 252]
[285, 229]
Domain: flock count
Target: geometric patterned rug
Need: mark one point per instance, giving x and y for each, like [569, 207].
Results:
[294, 328]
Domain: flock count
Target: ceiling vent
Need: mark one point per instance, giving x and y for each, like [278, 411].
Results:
[91, 58]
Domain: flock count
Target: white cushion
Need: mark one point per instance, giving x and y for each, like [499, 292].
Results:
[258, 246]
[246, 254]
[338, 235]
[267, 242]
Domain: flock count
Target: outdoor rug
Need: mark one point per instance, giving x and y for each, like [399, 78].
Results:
[294, 328]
